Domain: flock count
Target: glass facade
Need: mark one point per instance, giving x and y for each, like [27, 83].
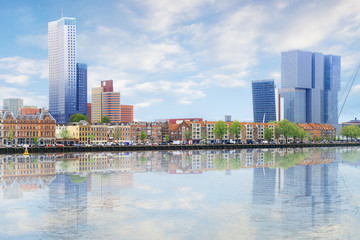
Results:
[81, 75]
[13, 105]
[263, 92]
[310, 82]
[62, 69]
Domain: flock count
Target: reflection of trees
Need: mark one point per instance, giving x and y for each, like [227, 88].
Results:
[143, 160]
[65, 165]
[350, 156]
[78, 179]
[268, 157]
[220, 163]
[290, 159]
[166, 157]
[11, 166]
[236, 161]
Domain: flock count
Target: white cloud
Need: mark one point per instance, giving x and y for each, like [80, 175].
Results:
[22, 69]
[15, 79]
[161, 15]
[30, 97]
[148, 103]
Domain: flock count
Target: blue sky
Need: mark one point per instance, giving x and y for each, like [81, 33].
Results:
[186, 58]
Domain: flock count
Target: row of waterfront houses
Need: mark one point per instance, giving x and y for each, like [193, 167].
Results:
[42, 129]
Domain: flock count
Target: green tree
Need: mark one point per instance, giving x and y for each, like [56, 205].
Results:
[117, 134]
[204, 136]
[91, 137]
[36, 139]
[220, 129]
[309, 138]
[77, 117]
[188, 134]
[235, 129]
[166, 138]
[143, 136]
[268, 134]
[316, 138]
[65, 135]
[338, 138]
[334, 138]
[300, 134]
[11, 134]
[105, 119]
[351, 131]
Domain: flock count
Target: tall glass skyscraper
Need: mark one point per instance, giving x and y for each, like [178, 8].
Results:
[264, 106]
[81, 87]
[62, 69]
[310, 82]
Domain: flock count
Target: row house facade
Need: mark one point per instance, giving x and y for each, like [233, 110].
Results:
[27, 129]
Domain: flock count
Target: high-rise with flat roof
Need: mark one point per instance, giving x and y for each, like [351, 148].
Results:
[62, 68]
[264, 107]
[81, 88]
[127, 113]
[13, 105]
[105, 102]
[310, 83]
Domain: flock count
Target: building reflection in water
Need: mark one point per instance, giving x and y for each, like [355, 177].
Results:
[302, 182]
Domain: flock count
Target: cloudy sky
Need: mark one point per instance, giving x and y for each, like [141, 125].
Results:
[185, 58]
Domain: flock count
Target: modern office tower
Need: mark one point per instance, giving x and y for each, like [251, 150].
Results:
[107, 85]
[13, 105]
[96, 104]
[227, 118]
[310, 82]
[81, 88]
[62, 68]
[110, 106]
[89, 112]
[105, 103]
[127, 113]
[264, 107]
[331, 88]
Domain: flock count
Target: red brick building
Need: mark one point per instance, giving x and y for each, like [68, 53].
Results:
[30, 110]
[24, 129]
[127, 113]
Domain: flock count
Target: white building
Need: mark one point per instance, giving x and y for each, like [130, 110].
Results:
[62, 68]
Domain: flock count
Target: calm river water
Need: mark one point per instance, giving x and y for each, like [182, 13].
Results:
[231, 194]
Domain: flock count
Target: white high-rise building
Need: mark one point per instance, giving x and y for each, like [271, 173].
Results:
[62, 68]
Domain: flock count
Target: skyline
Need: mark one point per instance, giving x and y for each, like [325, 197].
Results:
[198, 57]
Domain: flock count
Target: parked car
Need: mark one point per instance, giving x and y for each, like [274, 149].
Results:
[59, 145]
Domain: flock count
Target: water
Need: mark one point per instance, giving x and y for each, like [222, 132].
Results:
[236, 194]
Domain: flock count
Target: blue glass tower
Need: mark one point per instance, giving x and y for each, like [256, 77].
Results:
[62, 69]
[263, 92]
[310, 82]
[81, 88]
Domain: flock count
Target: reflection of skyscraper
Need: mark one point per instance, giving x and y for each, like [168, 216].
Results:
[308, 191]
[264, 186]
[106, 187]
[68, 197]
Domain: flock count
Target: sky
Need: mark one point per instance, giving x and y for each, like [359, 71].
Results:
[178, 59]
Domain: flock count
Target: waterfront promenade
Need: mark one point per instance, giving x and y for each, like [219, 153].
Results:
[17, 150]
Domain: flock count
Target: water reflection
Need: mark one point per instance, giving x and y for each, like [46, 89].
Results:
[90, 195]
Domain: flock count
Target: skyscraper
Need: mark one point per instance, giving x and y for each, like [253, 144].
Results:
[264, 107]
[13, 105]
[96, 104]
[105, 102]
[81, 88]
[62, 69]
[310, 82]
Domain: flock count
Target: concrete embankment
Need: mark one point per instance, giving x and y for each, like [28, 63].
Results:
[166, 147]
